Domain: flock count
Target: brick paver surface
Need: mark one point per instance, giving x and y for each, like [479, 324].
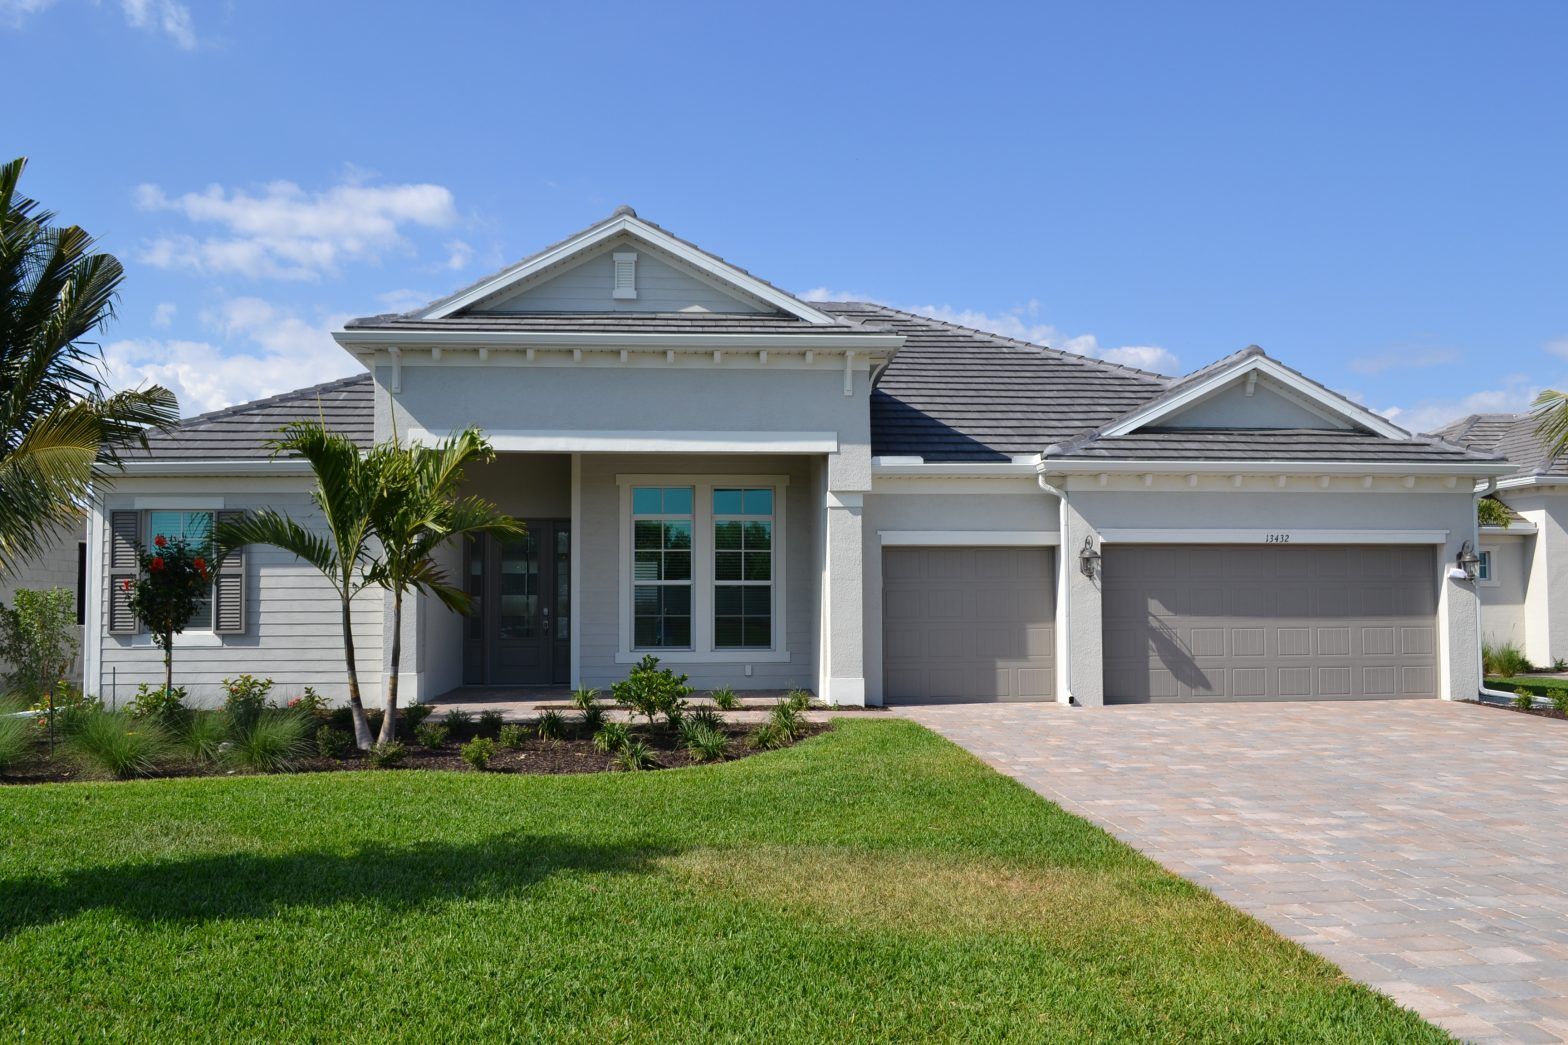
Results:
[1420, 845]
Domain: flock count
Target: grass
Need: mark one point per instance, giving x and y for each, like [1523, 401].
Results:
[1545, 687]
[871, 883]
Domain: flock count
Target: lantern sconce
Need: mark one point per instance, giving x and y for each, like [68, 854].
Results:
[1088, 558]
[1468, 561]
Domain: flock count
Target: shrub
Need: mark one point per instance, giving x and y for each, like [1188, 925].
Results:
[114, 744]
[1524, 699]
[551, 725]
[70, 705]
[490, 722]
[633, 755]
[1560, 665]
[431, 734]
[38, 639]
[274, 743]
[593, 718]
[706, 744]
[167, 706]
[1506, 660]
[725, 699]
[799, 699]
[332, 742]
[414, 714]
[1490, 511]
[385, 756]
[245, 701]
[611, 737]
[478, 752]
[457, 718]
[203, 735]
[651, 691]
[512, 735]
[786, 717]
[310, 704]
[1559, 699]
[768, 737]
[702, 718]
[584, 698]
[16, 734]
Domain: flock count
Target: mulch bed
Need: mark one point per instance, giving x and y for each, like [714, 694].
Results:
[1537, 712]
[572, 754]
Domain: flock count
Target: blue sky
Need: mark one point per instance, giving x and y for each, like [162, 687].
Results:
[1372, 192]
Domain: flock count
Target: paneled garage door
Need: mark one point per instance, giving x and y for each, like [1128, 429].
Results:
[967, 624]
[1269, 622]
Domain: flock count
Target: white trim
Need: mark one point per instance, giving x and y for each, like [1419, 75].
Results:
[190, 504]
[97, 591]
[846, 499]
[1515, 529]
[241, 467]
[913, 467]
[201, 638]
[509, 440]
[1291, 536]
[1522, 481]
[693, 343]
[575, 567]
[702, 650]
[1336, 404]
[631, 225]
[1486, 556]
[970, 538]
[1088, 466]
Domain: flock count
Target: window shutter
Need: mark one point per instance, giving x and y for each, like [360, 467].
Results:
[625, 276]
[228, 589]
[125, 539]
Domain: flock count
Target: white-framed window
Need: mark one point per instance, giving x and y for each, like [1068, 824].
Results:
[194, 527]
[1483, 569]
[702, 560]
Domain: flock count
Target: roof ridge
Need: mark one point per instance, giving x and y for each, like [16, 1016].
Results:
[1032, 345]
[245, 407]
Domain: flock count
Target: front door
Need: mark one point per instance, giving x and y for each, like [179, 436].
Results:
[520, 629]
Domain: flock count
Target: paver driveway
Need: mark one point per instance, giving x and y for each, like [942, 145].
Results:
[1420, 845]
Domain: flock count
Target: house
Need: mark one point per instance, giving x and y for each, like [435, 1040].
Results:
[767, 492]
[1524, 600]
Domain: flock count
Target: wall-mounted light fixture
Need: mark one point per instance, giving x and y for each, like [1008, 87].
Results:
[1088, 557]
[1468, 561]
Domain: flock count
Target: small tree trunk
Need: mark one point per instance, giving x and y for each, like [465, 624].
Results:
[356, 707]
[389, 721]
[168, 663]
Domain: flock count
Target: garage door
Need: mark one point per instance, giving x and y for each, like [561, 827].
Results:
[967, 624]
[1265, 622]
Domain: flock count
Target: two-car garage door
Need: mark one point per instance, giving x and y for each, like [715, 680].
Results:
[1269, 622]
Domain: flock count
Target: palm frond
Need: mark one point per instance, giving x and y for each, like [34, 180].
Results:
[1553, 424]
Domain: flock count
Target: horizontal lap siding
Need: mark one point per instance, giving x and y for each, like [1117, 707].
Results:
[293, 632]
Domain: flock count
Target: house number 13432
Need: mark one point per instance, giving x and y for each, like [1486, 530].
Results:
[1276, 538]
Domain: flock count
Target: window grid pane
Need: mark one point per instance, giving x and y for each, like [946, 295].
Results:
[661, 567]
[743, 568]
[195, 528]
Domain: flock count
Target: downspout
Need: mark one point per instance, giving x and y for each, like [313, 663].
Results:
[1063, 618]
[1475, 542]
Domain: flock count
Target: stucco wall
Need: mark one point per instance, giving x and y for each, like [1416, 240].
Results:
[1503, 600]
[1545, 610]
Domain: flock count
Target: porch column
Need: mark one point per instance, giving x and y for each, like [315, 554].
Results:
[843, 583]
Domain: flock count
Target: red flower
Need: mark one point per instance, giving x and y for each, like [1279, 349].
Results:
[125, 585]
[159, 540]
[200, 564]
[156, 564]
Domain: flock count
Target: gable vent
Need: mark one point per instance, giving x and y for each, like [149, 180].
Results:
[625, 275]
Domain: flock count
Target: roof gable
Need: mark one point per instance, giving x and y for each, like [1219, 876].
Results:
[626, 228]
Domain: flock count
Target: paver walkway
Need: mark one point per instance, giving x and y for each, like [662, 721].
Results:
[1420, 845]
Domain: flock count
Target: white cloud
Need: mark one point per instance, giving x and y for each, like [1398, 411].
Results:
[459, 254]
[165, 16]
[1022, 324]
[163, 315]
[406, 299]
[283, 232]
[14, 12]
[1404, 359]
[1516, 394]
[280, 352]
[1557, 346]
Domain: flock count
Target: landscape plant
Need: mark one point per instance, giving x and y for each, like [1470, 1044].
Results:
[1524, 699]
[1490, 511]
[165, 705]
[650, 691]
[112, 743]
[273, 743]
[633, 755]
[478, 752]
[245, 698]
[418, 509]
[414, 714]
[202, 735]
[457, 718]
[724, 699]
[174, 578]
[16, 733]
[1505, 659]
[431, 734]
[332, 742]
[310, 704]
[585, 697]
[511, 735]
[38, 639]
[611, 737]
[61, 429]
[706, 744]
[768, 736]
[551, 725]
[386, 755]
[593, 718]
[490, 722]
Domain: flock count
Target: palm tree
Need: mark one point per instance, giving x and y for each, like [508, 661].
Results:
[419, 510]
[347, 485]
[1552, 425]
[60, 427]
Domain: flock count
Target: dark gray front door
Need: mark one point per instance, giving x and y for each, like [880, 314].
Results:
[520, 630]
[1269, 622]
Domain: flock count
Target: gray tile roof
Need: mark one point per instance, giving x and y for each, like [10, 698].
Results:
[242, 432]
[1283, 444]
[957, 394]
[1513, 436]
[616, 323]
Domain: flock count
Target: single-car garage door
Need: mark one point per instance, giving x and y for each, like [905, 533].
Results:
[1269, 622]
[967, 624]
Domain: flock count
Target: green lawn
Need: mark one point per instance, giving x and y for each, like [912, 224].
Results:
[872, 883]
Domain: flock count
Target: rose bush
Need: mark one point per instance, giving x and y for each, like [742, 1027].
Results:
[173, 581]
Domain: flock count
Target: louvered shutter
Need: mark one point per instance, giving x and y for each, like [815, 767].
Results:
[228, 590]
[125, 539]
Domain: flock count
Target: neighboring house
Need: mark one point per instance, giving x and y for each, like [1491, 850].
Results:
[61, 563]
[1524, 578]
[766, 492]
